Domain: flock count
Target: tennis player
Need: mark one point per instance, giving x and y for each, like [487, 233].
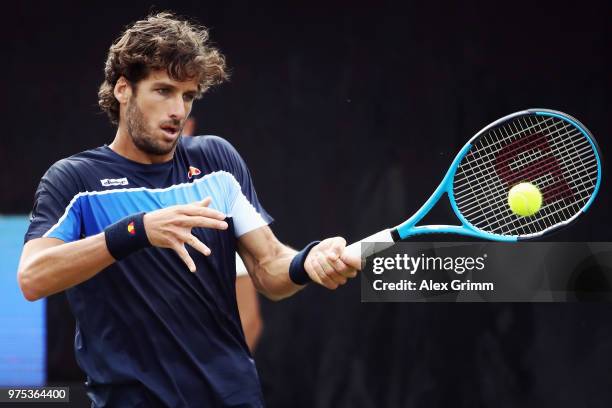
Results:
[142, 235]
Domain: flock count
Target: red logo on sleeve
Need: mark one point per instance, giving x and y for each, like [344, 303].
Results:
[131, 228]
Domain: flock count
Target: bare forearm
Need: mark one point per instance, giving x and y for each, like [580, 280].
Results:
[62, 266]
[271, 274]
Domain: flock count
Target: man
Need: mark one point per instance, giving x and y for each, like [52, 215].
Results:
[157, 322]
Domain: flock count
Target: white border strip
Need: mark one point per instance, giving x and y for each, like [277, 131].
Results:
[138, 189]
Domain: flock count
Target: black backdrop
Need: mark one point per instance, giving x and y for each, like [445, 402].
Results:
[348, 114]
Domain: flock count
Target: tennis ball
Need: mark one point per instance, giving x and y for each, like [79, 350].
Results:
[525, 199]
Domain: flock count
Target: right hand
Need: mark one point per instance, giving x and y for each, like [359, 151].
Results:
[171, 227]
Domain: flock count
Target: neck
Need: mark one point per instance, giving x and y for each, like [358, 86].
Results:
[124, 146]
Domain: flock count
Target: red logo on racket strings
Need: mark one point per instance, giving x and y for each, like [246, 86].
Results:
[193, 171]
[131, 228]
[545, 164]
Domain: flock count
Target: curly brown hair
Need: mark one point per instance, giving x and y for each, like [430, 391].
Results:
[161, 41]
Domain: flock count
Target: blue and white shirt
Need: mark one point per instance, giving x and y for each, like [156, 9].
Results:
[149, 332]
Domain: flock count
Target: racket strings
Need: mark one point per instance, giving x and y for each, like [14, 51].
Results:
[485, 176]
[494, 145]
[539, 180]
[581, 181]
[548, 152]
[504, 226]
[475, 217]
[544, 161]
[547, 223]
[530, 151]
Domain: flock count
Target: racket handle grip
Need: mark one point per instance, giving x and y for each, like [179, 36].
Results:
[370, 245]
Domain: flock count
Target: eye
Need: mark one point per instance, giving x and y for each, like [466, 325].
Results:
[163, 91]
[188, 97]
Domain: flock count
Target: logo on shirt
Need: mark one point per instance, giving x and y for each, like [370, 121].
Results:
[114, 182]
[193, 171]
[131, 228]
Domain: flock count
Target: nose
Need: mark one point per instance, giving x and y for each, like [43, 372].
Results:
[177, 108]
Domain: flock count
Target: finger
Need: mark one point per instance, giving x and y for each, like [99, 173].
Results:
[333, 267]
[205, 222]
[329, 271]
[344, 269]
[184, 255]
[195, 211]
[324, 279]
[211, 212]
[312, 273]
[198, 245]
[338, 265]
[188, 208]
[337, 247]
[352, 259]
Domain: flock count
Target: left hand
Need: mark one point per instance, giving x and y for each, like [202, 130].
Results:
[325, 266]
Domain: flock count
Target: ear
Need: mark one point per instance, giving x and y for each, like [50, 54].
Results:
[123, 90]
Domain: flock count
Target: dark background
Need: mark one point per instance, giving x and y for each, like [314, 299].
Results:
[348, 114]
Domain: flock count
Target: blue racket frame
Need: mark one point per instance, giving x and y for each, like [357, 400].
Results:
[409, 228]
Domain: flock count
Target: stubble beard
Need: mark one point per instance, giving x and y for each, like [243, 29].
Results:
[141, 136]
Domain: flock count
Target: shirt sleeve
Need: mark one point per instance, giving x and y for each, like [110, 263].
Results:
[244, 206]
[56, 212]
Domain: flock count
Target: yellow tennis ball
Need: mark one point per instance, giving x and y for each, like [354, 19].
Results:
[525, 199]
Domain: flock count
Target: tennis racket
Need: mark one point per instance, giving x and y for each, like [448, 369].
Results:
[549, 149]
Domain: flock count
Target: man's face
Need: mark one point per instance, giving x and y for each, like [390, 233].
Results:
[157, 110]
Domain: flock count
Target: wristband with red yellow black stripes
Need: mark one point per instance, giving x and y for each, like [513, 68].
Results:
[126, 236]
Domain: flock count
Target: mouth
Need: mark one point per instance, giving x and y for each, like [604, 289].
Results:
[170, 131]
